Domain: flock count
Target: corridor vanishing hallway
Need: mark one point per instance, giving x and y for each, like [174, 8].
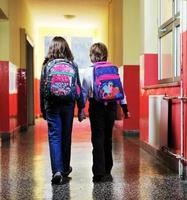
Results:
[26, 174]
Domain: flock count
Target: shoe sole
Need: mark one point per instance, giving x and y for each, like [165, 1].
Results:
[57, 180]
[107, 178]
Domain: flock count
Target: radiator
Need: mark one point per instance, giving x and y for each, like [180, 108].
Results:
[164, 123]
[157, 121]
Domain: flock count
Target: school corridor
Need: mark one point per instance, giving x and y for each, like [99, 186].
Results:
[147, 41]
[26, 173]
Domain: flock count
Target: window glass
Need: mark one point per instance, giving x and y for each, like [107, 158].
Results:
[166, 56]
[177, 59]
[177, 6]
[169, 40]
[80, 47]
[47, 41]
[166, 10]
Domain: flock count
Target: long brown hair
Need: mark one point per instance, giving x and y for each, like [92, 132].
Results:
[98, 52]
[58, 48]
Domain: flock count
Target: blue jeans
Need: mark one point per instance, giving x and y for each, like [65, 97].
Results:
[60, 120]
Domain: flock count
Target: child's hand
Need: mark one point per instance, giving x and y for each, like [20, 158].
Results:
[125, 111]
[44, 115]
[81, 115]
[127, 115]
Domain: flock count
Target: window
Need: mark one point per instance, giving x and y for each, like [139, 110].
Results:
[169, 40]
[80, 47]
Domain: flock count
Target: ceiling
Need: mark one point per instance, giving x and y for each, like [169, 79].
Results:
[51, 13]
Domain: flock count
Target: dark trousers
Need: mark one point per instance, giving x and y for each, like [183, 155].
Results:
[102, 119]
[60, 120]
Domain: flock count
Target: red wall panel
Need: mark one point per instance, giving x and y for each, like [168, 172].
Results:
[37, 111]
[4, 96]
[13, 111]
[150, 69]
[144, 127]
[12, 91]
[184, 65]
[22, 97]
[131, 87]
[175, 126]
[13, 104]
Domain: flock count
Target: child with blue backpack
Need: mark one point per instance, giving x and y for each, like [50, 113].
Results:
[102, 87]
[60, 89]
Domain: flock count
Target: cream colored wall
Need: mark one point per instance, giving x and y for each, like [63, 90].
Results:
[4, 32]
[102, 28]
[27, 21]
[131, 32]
[19, 17]
[4, 6]
[14, 20]
[150, 26]
[141, 28]
[115, 41]
[4, 40]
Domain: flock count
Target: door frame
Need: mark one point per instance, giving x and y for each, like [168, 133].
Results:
[27, 62]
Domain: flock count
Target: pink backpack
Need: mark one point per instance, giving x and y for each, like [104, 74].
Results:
[61, 81]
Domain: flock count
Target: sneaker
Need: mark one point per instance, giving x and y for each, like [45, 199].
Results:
[57, 178]
[65, 174]
[97, 178]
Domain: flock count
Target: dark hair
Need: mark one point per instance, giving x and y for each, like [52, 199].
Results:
[58, 48]
[98, 52]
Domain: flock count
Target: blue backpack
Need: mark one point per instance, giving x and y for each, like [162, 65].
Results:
[107, 85]
[61, 81]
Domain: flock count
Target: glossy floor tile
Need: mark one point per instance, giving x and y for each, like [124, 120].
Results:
[25, 170]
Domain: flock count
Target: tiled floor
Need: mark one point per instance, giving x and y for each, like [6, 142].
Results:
[25, 170]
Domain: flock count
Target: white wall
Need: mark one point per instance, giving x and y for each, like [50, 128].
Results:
[149, 26]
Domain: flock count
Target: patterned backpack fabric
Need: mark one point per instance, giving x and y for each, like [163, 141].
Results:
[61, 81]
[107, 85]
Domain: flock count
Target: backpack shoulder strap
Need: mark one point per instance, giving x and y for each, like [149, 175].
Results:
[102, 64]
[50, 64]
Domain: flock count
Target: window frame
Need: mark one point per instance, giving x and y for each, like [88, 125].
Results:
[170, 25]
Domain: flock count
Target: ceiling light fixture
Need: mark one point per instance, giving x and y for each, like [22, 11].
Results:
[69, 16]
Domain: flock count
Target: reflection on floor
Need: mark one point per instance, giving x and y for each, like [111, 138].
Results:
[25, 170]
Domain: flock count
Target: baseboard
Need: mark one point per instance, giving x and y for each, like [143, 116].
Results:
[131, 133]
[5, 136]
[23, 128]
[167, 159]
